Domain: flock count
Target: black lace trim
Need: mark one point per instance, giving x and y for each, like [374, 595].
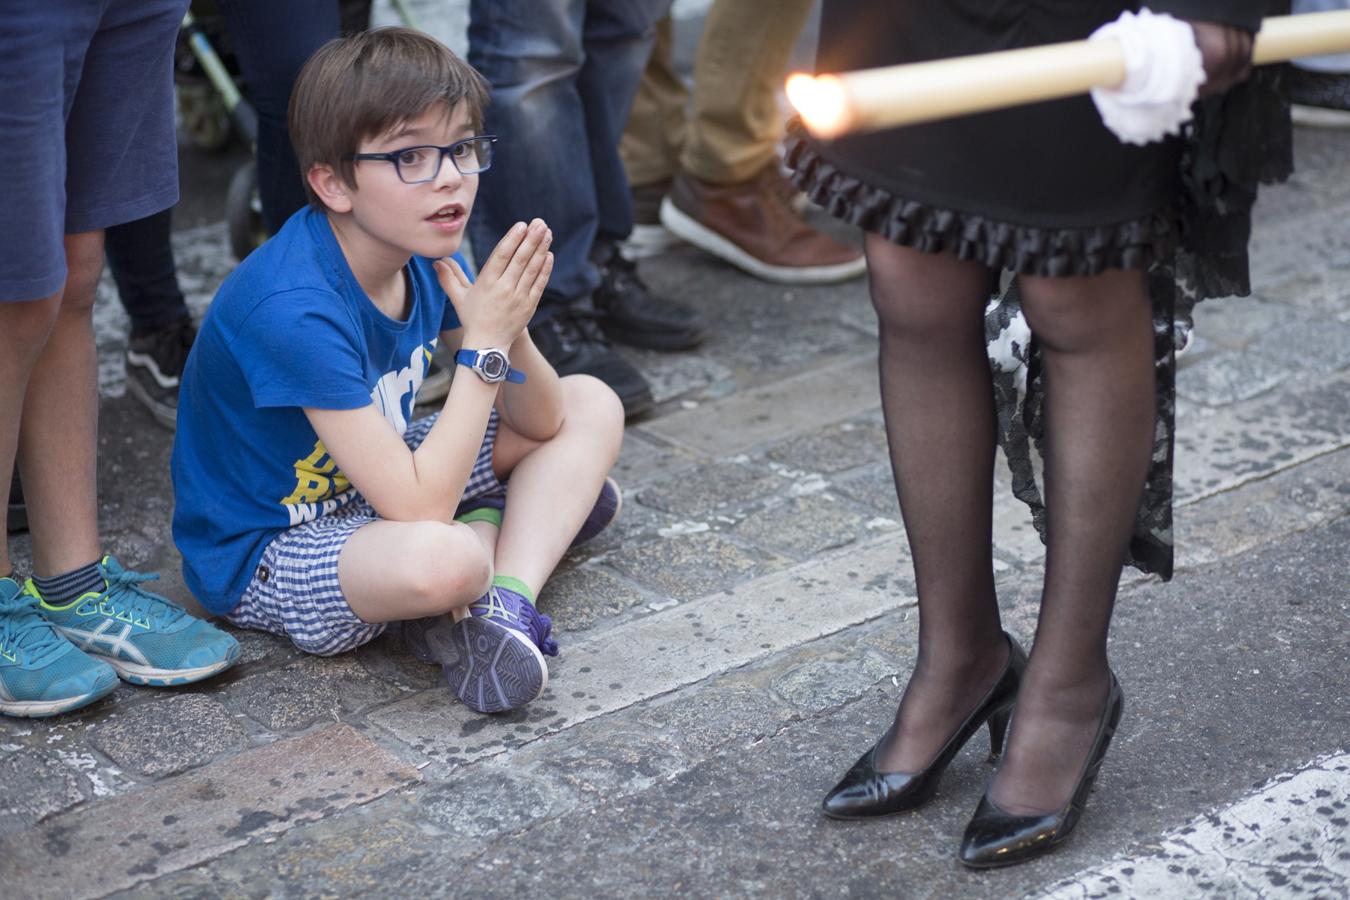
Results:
[1026, 249]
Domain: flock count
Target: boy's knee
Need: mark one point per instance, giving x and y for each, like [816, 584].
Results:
[589, 399]
[451, 567]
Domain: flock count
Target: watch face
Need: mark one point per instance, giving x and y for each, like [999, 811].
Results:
[493, 365]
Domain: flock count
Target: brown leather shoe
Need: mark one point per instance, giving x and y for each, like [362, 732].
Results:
[753, 226]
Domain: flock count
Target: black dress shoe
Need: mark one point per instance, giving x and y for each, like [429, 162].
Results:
[570, 341]
[997, 838]
[631, 315]
[866, 793]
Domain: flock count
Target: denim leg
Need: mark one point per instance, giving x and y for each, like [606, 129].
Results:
[140, 257]
[563, 75]
[617, 42]
[272, 41]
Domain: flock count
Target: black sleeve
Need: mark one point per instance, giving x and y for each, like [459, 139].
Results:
[1246, 14]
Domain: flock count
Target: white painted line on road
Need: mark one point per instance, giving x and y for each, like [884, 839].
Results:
[1291, 838]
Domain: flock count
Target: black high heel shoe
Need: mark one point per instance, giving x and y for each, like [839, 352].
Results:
[998, 838]
[865, 793]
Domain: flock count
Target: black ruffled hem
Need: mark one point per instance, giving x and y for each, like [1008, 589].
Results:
[1025, 249]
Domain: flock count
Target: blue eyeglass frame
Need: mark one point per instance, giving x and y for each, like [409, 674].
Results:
[446, 151]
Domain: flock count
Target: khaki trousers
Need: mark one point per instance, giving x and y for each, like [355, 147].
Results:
[730, 127]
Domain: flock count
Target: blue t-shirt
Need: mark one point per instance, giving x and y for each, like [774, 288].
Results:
[289, 328]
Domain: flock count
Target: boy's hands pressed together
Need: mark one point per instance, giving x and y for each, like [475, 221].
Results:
[495, 309]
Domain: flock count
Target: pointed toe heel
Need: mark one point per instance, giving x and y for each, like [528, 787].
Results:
[998, 730]
[997, 838]
[866, 793]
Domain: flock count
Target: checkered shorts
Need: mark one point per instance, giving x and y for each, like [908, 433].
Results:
[295, 592]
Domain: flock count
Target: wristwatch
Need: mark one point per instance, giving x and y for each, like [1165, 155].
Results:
[491, 365]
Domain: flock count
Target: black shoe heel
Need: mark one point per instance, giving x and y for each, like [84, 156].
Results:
[865, 793]
[998, 730]
[997, 838]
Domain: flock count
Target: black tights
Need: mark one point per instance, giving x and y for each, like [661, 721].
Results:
[1095, 335]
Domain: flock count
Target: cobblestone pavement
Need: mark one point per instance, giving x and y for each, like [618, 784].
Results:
[742, 633]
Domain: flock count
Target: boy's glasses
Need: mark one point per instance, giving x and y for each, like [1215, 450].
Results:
[417, 165]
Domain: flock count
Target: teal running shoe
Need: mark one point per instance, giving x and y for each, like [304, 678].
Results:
[42, 673]
[147, 639]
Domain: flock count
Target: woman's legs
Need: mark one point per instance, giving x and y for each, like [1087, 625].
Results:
[1096, 338]
[940, 424]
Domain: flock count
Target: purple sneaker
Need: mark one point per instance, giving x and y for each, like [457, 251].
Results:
[605, 511]
[424, 637]
[493, 658]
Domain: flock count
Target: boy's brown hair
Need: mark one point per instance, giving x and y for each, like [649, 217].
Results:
[366, 84]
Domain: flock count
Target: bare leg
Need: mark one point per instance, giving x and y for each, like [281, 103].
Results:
[59, 439]
[940, 424]
[392, 571]
[554, 484]
[1096, 336]
[24, 327]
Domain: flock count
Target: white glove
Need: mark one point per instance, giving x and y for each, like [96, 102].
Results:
[1163, 74]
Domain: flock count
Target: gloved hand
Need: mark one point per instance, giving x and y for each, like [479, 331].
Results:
[1227, 55]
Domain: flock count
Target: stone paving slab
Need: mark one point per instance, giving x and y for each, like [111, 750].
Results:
[132, 838]
[1282, 250]
[665, 650]
[183, 731]
[774, 412]
[1292, 837]
[1219, 449]
[1292, 500]
[359, 853]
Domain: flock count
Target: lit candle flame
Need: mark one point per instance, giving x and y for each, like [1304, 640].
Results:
[822, 103]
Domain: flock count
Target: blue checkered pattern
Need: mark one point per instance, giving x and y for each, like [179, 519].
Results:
[295, 590]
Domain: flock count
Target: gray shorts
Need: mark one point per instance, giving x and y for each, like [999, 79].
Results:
[295, 592]
[86, 108]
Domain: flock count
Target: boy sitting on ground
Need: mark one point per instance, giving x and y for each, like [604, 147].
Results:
[308, 504]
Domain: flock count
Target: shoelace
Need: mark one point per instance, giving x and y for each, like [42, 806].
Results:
[539, 626]
[541, 630]
[22, 628]
[124, 591]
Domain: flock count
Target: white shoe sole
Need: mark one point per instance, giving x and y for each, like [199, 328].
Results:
[149, 676]
[38, 709]
[648, 240]
[706, 239]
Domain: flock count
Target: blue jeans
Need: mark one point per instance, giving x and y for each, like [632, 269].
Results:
[272, 41]
[563, 76]
[140, 257]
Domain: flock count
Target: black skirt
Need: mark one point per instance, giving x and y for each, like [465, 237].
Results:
[1042, 189]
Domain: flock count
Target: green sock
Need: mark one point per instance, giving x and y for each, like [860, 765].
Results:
[487, 514]
[514, 585]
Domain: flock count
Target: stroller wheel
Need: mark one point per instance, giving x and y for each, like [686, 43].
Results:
[243, 211]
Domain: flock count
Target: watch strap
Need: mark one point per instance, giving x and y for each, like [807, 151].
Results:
[465, 357]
